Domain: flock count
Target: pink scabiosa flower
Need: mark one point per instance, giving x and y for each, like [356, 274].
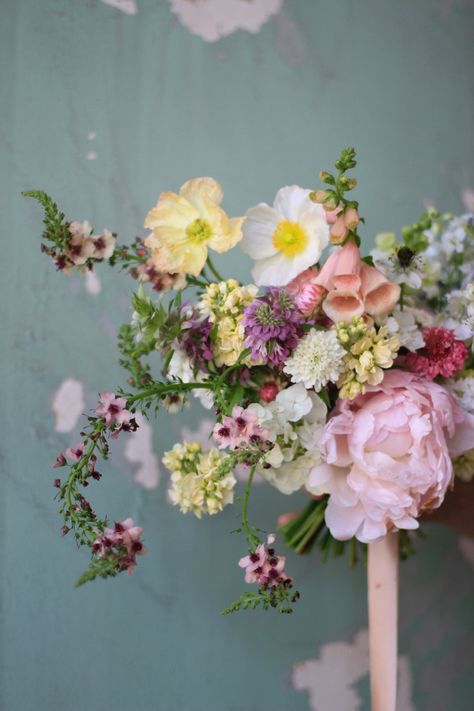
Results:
[443, 354]
[112, 409]
[272, 326]
[264, 567]
[388, 456]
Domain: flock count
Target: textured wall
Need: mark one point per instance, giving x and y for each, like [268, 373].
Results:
[105, 104]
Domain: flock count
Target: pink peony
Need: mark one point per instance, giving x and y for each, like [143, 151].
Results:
[353, 287]
[388, 455]
[442, 355]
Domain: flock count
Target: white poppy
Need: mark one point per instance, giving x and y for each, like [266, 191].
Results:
[285, 239]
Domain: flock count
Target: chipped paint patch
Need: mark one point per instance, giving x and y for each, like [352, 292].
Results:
[91, 155]
[139, 450]
[330, 678]
[92, 283]
[213, 19]
[468, 199]
[288, 39]
[203, 434]
[68, 404]
[129, 7]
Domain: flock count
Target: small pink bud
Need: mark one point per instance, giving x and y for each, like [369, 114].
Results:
[351, 218]
[268, 392]
[339, 231]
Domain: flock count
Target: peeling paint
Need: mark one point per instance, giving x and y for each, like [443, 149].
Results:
[330, 678]
[213, 19]
[202, 434]
[139, 450]
[288, 39]
[92, 283]
[468, 199]
[68, 404]
[129, 7]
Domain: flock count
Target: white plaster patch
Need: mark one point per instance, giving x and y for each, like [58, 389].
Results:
[91, 155]
[329, 679]
[213, 19]
[466, 544]
[289, 40]
[139, 450]
[91, 135]
[468, 199]
[92, 283]
[202, 434]
[68, 404]
[129, 7]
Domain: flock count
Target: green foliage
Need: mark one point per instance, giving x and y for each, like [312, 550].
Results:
[413, 235]
[281, 598]
[56, 228]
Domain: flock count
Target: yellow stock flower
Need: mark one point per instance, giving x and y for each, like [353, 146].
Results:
[185, 225]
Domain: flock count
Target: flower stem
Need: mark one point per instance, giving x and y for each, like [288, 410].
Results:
[213, 269]
[164, 389]
[251, 537]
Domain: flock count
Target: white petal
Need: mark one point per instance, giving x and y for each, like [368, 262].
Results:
[257, 231]
[274, 271]
[289, 201]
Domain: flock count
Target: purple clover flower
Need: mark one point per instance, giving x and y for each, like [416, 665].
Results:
[195, 340]
[272, 326]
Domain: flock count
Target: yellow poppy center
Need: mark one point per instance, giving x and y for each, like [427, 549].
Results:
[199, 231]
[290, 238]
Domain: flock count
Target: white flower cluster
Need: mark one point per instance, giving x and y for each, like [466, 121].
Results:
[460, 312]
[295, 422]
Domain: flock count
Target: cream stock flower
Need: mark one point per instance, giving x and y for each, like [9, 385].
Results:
[224, 303]
[185, 225]
[369, 353]
[200, 481]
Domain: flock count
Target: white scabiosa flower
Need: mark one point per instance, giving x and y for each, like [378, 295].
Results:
[316, 360]
[285, 239]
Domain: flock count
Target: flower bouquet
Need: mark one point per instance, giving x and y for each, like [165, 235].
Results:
[351, 377]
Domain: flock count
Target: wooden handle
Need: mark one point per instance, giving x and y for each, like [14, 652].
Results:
[383, 621]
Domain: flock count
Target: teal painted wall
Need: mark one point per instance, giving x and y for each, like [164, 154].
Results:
[256, 111]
